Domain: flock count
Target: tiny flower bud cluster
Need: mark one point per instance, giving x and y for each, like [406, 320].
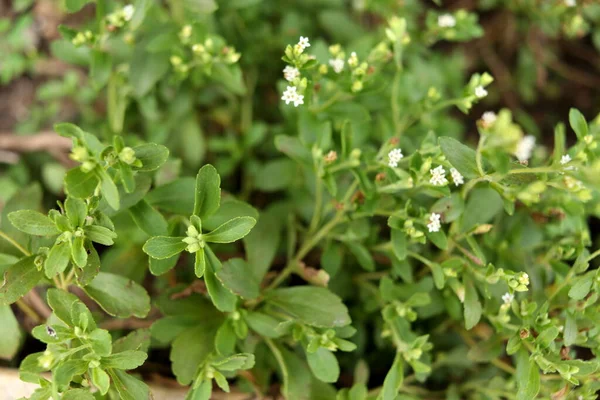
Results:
[290, 73]
[193, 240]
[292, 96]
[488, 119]
[120, 17]
[565, 159]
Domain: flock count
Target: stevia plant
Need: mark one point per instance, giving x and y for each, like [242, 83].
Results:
[347, 243]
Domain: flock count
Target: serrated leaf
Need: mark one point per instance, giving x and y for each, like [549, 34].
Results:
[119, 296]
[462, 157]
[324, 365]
[208, 192]
[236, 276]
[162, 247]
[231, 231]
[19, 279]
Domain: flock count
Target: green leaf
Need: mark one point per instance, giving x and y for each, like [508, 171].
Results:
[190, 349]
[201, 6]
[439, 239]
[240, 361]
[159, 267]
[176, 196]
[80, 184]
[33, 223]
[152, 156]
[62, 303]
[200, 263]
[76, 210]
[146, 69]
[128, 387]
[128, 359]
[260, 253]
[263, 324]
[482, 206]
[236, 276]
[472, 305]
[75, 5]
[148, 219]
[100, 234]
[527, 376]
[66, 370]
[293, 148]
[225, 339]
[228, 210]
[58, 259]
[314, 306]
[222, 298]
[29, 197]
[162, 247]
[19, 279]
[78, 253]
[393, 380]
[582, 286]
[10, 332]
[324, 365]
[208, 191]
[119, 296]
[77, 394]
[136, 340]
[571, 331]
[109, 191]
[462, 157]
[362, 255]
[100, 68]
[232, 230]
[100, 379]
[399, 243]
[578, 123]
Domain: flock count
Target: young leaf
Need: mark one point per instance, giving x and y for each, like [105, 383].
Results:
[236, 276]
[190, 349]
[119, 296]
[80, 184]
[58, 259]
[362, 255]
[62, 303]
[324, 365]
[314, 306]
[393, 380]
[33, 223]
[162, 247]
[100, 379]
[399, 243]
[78, 253]
[235, 362]
[109, 191]
[578, 123]
[152, 156]
[100, 234]
[230, 231]
[208, 191]
[76, 210]
[462, 157]
[200, 263]
[159, 267]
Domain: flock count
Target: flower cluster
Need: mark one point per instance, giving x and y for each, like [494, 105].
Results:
[434, 224]
[394, 157]
[525, 148]
[292, 96]
[438, 176]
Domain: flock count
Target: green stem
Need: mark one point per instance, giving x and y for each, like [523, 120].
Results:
[316, 218]
[28, 311]
[394, 100]
[478, 155]
[537, 170]
[593, 255]
[328, 103]
[279, 357]
[14, 243]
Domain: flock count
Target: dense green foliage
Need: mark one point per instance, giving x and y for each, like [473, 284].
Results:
[328, 232]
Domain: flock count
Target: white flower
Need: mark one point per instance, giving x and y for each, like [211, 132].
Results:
[434, 224]
[291, 96]
[523, 278]
[457, 178]
[353, 60]
[438, 176]
[303, 43]
[128, 11]
[570, 3]
[298, 100]
[489, 118]
[337, 64]
[480, 92]
[290, 73]
[446, 21]
[565, 159]
[394, 156]
[507, 298]
[525, 148]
